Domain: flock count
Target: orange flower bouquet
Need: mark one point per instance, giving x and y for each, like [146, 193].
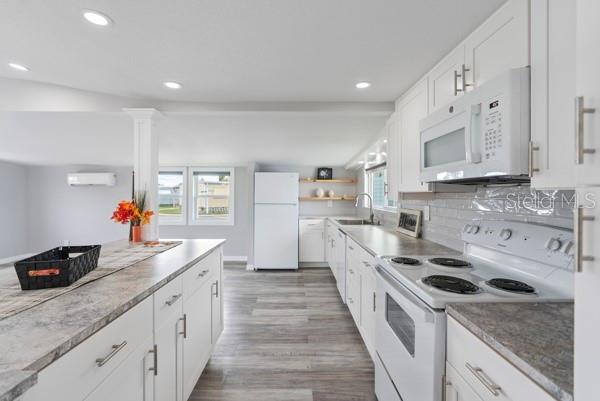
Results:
[133, 212]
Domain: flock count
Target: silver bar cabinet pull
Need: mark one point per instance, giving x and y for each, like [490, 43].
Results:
[463, 77]
[484, 379]
[154, 352]
[532, 148]
[580, 111]
[203, 273]
[216, 293]
[115, 348]
[173, 299]
[578, 220]
[184, 319]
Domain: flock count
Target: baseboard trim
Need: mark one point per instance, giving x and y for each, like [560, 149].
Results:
[235, 258]
[313, 264]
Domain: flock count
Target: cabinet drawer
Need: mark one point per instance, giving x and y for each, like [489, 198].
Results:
[195, 276]
[455, 387]
[311, 224]
[77, 373]
[168, 300]
[491, 376]
[367, 262]
[352, 250]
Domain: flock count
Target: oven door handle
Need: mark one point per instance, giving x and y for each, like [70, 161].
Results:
[470, 156]
[416, 306]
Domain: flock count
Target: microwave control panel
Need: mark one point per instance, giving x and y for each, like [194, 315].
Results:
[492, 127]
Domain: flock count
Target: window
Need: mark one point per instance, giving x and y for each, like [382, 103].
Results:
[211, 196]
[195, 195]
[376, 185]
[171, 196]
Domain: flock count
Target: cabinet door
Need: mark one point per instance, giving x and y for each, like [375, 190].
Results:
[367, 307]
[197, 339]
[132, 380]
[392, 129]
[456, 389]
[444, 87]
[588, 88]
[500, 43]
[312, 241]
[587, 296]
[413, 109]
[340, 262]
[552, 93]
[169, 344]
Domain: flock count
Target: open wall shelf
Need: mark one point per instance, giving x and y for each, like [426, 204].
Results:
[334, 181]
[327, 198]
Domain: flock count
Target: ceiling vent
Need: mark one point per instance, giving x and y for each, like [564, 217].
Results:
[92, 179]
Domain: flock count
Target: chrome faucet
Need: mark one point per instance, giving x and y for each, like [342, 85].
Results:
[371, 215]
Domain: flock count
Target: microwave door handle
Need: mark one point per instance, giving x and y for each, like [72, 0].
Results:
[470, 156]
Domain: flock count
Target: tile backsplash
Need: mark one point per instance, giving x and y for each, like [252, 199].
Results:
[449, 212]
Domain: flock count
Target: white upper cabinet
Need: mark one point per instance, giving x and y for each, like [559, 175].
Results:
[411, 109]
[552, 94]
[500, 43]
[392, 133]
[445, 79]
[587, 107]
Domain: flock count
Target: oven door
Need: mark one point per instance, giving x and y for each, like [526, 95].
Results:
[410, 344]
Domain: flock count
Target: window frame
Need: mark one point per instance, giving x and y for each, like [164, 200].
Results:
[368, 187]
[211, 221]
[171, 220]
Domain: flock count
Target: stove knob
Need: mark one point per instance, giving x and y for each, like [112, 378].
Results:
[553, 244]
[568, 249]
[474, 229]
[467, 228]
[505, 233]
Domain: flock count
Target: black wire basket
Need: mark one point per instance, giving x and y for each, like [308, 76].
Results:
[56, 267]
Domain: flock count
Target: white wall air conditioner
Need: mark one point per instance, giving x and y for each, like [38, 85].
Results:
[89, 179]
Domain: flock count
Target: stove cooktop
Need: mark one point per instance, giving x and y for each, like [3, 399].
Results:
[451, 284]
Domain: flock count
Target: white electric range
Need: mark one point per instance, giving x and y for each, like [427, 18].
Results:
[503, 261]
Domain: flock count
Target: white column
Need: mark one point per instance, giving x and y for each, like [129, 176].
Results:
[145, 163]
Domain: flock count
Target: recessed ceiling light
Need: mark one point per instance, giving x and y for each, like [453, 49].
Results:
[363, 85]
[372, 153]
[97, 18]
[19, 67]
[383, 153]
[361, 162]
[385, 141]
[173, 85]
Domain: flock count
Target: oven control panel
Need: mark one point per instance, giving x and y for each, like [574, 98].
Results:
[547, 244]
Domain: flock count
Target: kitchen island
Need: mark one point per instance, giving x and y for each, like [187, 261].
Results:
[35, 340]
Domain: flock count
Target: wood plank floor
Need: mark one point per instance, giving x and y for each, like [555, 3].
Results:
[287, 337]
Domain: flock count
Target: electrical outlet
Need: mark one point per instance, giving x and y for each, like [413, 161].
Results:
[426, 213]
[329, 203]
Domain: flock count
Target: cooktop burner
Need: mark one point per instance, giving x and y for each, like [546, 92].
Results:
[509, 285]
[451, 284]
[401, 260]
[450, 262]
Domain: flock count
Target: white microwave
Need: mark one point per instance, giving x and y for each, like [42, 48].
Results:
[481, 137]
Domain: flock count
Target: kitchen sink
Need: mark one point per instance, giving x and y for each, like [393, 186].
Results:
[354, 222]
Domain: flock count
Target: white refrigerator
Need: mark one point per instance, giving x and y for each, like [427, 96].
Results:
[276, 220]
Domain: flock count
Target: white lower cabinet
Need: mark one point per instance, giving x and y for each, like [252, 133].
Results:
[155, 351]
[456, 389]
[311, 240]
[479, 373]
[360, 291]
[132, 380]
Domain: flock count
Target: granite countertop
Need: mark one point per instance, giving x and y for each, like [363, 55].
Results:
[383, 241]
[52, 328]
[537, 338]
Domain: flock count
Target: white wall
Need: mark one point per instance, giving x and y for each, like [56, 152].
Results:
[13, 210]
[238, 235]
[81, 215]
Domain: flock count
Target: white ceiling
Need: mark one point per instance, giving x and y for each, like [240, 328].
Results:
[233, 138]
[234, 50]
